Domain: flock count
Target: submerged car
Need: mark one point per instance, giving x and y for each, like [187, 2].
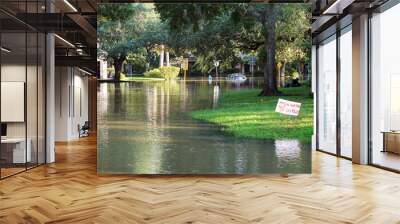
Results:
[236, 77]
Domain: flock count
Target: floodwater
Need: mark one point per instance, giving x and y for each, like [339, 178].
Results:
[145, 128]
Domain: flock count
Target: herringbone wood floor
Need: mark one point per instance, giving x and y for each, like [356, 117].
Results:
[70, 191]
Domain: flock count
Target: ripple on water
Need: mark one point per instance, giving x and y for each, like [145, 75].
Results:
[144, 129]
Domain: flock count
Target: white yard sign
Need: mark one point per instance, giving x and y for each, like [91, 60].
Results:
[288, 107]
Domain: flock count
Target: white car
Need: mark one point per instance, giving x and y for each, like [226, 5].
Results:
[236, 77]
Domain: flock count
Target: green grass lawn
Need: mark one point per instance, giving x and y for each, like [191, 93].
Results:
[140, 78]
[244, 114]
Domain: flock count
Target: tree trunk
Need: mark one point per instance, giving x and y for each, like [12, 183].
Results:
[278, 76]
[270, 81]
[167, 58]
[282, 74]
[162, 56]
[307, 72]
[118, 67]
[301, 71]
[148, 57]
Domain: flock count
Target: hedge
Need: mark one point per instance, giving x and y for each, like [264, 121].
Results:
[170, 72]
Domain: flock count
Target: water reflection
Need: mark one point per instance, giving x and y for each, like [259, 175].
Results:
[144, 128]
[287, 151]
[215, 96]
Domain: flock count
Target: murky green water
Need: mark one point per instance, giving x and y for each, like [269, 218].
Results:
[144, 128]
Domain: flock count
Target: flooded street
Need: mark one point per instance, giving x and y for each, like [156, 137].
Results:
[145, 128]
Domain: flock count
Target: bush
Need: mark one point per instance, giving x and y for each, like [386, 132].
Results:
[307, 83]
[154, 73]
[110, 71]
[170, 72]
[163, 72]
[295, 75]
[122, 76]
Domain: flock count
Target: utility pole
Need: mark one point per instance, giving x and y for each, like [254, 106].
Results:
[216, 64]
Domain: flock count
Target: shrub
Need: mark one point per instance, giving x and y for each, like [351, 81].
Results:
[295, 75]
[307, 83]
[122, 76]
[110, 71]
[154, 73]
[170, 72]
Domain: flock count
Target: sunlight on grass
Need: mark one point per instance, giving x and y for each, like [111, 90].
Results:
[244, 114]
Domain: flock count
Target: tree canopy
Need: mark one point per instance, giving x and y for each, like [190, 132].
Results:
[277, 34]
[128, 32]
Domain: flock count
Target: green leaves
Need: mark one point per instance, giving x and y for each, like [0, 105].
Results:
[216, 31]
[207, 31]
[119, 26]
[170, 72]
[117, 12]
[293, 38]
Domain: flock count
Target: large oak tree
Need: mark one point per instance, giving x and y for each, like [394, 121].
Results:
[220, 29]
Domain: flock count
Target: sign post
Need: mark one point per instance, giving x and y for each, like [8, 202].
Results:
[216, 64]
[185, 66]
